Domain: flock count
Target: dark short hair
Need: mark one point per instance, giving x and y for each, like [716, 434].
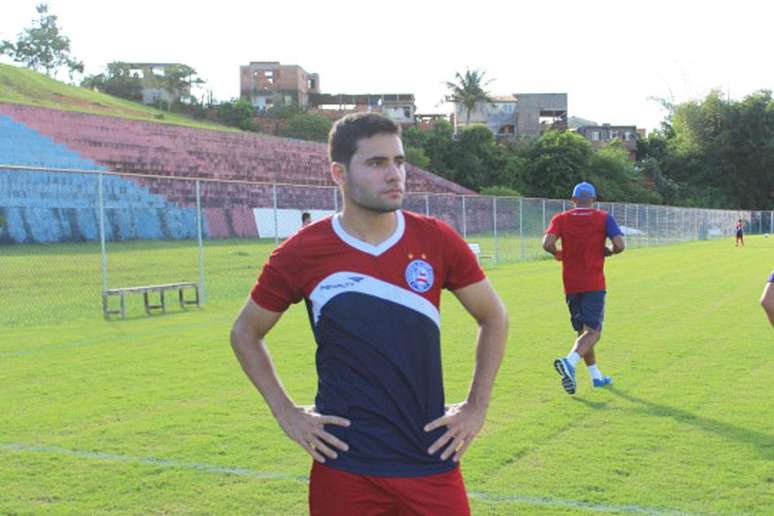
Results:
[306, 215]
[345, 133]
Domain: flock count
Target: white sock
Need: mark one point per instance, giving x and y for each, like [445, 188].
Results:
[573, 358]
[594, 371]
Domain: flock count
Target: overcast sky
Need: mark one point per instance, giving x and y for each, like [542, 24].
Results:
[609, 57]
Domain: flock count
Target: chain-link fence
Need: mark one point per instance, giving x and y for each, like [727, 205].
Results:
[66, 236]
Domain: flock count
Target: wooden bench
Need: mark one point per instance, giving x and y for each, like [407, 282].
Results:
[146, 290]
[476, 248]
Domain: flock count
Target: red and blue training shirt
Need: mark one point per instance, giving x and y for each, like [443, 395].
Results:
[583, 232]
[374, 312]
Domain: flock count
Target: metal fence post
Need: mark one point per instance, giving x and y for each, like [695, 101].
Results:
[647, 225]
[521, 227]
[544, 213]
[335, 200]
[494, 223]
[427, 205]
[276, 221]
[103, 250]
[202, 291]
[464, 220]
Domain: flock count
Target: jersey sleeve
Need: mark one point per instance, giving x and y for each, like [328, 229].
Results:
[554, 227]
[278, 285]
[462, 268]
[611, 227]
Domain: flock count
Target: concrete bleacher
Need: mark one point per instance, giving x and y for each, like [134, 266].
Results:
[145, 207]
[43, 207]
[145, 147]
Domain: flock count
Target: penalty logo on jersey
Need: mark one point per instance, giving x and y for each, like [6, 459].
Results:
[419, 275]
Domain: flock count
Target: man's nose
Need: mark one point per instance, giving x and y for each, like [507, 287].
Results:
[394, 171]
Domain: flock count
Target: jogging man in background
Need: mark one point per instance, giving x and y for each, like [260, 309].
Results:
[382, 438]
[583, 231]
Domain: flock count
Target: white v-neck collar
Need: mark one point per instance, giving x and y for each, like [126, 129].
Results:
[371, 249]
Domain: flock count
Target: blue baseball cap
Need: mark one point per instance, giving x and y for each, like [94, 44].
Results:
[584, 190]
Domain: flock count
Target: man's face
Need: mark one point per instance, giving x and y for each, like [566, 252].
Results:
[376, 176]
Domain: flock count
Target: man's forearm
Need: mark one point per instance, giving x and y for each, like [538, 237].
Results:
[259, 368]
[489, 355]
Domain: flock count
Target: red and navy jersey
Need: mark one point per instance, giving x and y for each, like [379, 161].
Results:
[374, 311]
[583, 232]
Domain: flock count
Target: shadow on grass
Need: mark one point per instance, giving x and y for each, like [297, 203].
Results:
[762, 442]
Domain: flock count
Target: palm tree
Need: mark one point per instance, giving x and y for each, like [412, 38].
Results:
[468, 90]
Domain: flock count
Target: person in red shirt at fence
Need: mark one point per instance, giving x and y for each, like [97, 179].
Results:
[583, 231]
[739, 232]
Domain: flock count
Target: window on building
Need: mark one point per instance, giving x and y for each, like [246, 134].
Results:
[406, 112]
[595, 136]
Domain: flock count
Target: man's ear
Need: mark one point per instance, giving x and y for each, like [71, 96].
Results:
[338, 173]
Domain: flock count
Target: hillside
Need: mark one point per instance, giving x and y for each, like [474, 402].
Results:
[23, 86]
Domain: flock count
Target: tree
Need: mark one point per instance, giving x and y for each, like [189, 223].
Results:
[417, 157]
[237, 113]
[468, 90]
[477, 159]
[177, 81]
[308, 126]
[616, 177]
[553, 165]
[42, 46]
[719, 152]
[500, 191]
[118, 80]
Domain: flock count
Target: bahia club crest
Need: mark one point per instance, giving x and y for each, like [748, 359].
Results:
[419, 276]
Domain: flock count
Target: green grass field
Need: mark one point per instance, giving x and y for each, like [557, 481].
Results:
[152, 415]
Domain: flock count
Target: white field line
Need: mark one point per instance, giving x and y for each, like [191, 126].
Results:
[543, 501]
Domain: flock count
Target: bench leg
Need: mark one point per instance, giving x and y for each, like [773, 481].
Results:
[180, 298]
[123, 305]
[147, 305]
[163, 306]
[105, 313]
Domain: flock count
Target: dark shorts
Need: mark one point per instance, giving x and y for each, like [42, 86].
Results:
[739, 234]
[339, 493]
[587, 308]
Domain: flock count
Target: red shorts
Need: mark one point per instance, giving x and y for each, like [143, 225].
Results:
[334, 492]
